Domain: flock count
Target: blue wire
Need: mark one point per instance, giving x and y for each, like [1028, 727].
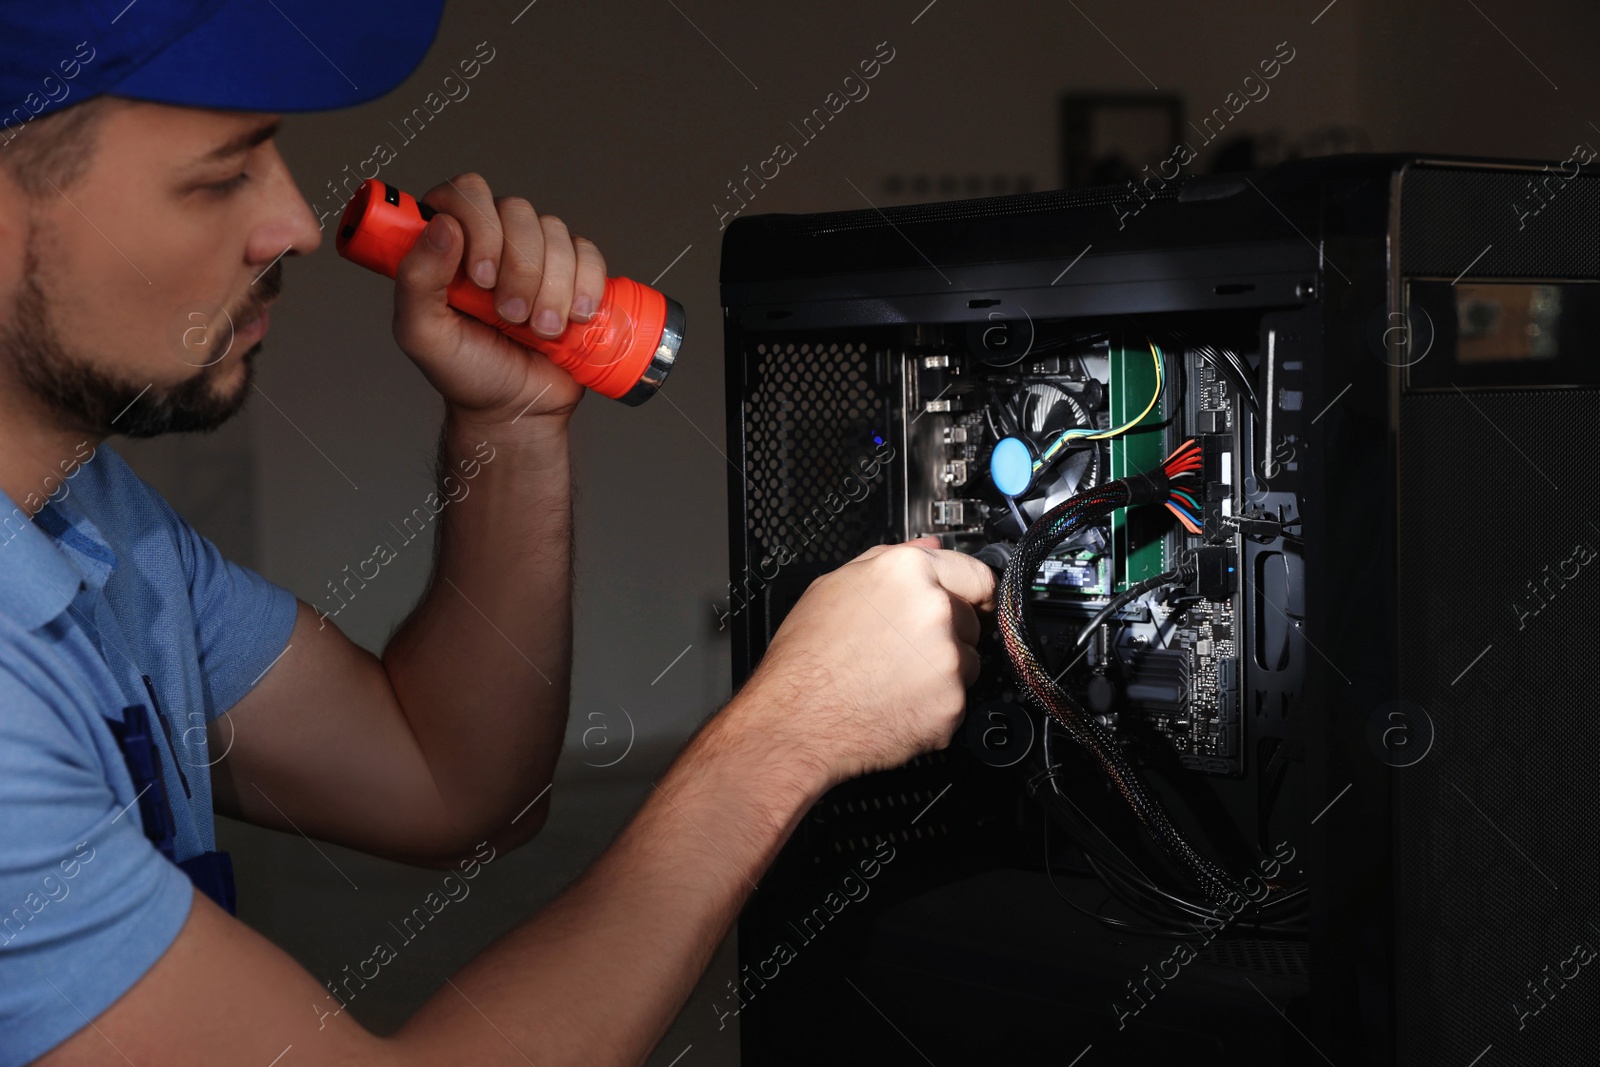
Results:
[1193, 513]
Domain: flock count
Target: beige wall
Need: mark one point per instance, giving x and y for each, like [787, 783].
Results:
[1443, 78]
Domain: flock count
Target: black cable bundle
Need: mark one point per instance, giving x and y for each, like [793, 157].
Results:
[1017, 632]
[1235, 370]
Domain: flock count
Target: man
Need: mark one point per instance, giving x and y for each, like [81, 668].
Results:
[144, 680]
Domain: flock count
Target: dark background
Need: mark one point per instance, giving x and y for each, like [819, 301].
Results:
[628, 120]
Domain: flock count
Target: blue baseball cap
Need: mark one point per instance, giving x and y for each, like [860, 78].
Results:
[245, 55]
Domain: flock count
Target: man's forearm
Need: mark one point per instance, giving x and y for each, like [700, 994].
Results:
[597, 976]
[482, 667]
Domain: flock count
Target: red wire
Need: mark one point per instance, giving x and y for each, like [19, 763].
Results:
[1185, 459]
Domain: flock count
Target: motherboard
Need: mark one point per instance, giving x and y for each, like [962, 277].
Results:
[1137, 614]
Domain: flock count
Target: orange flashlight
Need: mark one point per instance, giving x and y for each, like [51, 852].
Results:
[624, 351]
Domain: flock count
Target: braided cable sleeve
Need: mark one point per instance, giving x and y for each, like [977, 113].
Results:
[1017, 633]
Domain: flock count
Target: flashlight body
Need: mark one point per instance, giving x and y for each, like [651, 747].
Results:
[624, 351]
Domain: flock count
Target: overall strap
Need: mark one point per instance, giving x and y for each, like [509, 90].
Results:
[211, 872]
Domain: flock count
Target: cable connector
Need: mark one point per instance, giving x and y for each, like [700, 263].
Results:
[1251, 526]
[995, 555]
[1151, 487]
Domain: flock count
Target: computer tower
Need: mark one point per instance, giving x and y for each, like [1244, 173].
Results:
[1368, 685]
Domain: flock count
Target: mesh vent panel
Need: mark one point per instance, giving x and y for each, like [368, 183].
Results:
[1288, 959]
[1497, 875]
[1515, 225]
[810, 417]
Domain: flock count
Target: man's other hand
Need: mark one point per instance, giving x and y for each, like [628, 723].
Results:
[871, 667]
[540, 274]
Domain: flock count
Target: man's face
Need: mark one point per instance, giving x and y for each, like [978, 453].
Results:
[134, 300]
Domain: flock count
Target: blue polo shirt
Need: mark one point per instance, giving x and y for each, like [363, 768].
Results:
[105, 587]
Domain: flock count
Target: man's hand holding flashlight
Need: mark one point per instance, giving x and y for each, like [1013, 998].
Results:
[539, 273]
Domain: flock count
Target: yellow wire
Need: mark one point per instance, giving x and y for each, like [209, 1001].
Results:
[1155, 354]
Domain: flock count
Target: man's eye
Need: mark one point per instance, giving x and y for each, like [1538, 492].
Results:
[223, 188]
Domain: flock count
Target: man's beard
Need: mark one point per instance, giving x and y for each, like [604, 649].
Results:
[93, 400]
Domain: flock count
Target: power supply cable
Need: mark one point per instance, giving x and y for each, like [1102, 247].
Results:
[1237, 373]
[1170, 914]
[1017, 632]
[1122, 600]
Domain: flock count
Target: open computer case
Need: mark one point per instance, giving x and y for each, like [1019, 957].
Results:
[1354, 664]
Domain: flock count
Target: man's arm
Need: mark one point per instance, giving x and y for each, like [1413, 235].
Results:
[868, 671]
[594, 979]
[456, 730]
[482, 668]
